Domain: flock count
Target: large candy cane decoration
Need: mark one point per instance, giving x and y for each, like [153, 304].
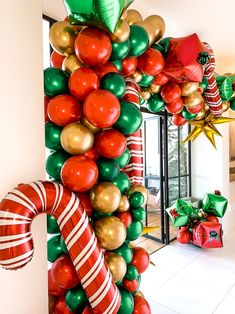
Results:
[212, 94]
[23, 204]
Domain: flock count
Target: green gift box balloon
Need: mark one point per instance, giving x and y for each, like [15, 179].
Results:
[214, 204]
[182, 213]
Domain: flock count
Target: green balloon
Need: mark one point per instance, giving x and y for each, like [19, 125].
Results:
[114, 83]
[52, 134]
[130, 118]
[118, 64]
[156, 103]
[139, 40]
[54, 249]
[138, 214]
[204, 83]
[127, 302]
[136, 199]
[187, 115]
[146, 80]
[126, 252]
[55, 82]
[131, 273]
[124, 159]
[97, 215]
[158, 47]
[165, 43]
[108, 169]
[54, 164]
[122, 181]
[142, 101]
[120, 50]
[134, 231]
[76, 299]
[232, 104]
[52, 225]
[63, 245]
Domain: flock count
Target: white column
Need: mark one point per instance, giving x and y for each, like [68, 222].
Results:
[22, 142]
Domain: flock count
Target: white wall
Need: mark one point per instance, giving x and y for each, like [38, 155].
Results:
[22, 142]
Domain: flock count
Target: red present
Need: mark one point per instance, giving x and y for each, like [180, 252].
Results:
[208, 235]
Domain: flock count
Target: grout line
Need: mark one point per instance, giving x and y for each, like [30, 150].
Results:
[223, 299]
[163, 306]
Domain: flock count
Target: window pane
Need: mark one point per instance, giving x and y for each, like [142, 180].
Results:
[183, 133]
[173, 158]
[184, 187]
[173, 190]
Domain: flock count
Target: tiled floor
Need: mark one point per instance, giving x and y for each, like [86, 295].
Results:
[190, 280]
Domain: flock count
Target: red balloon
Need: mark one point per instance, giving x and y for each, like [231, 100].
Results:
[184, 236]
[130, 285]
[61, 307]
[53, 288]
[101, 108]
[79, 173]
[104, 69]
[46, 102]
[56, 59]
[125, 218]
[93, 46]
[92, 154]
[212, 218]
[141, 305]
[64, 109]
[151, 62]
[176, 106]
[196, 109]
[88, 310]
[140, 259]
[161, 79]
[64, 274]
[178, 119]
[110, 144]
[82, 82]
[129, 66]
[170, 92]
[85, 202]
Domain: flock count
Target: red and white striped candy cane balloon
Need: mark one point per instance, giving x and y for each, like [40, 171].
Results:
[132, 92]
[212, 93]
[23, 204]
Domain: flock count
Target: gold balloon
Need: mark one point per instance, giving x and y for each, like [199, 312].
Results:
[139, 293]
[189, 88]
[71, 63]
[154, 89]
[150, 30]
[193, 100]
[93, 128]
[145, 94]
[137, 76]
[133, 17]
[158, 24]
[105, 197]
[124, 15]
[200, 115]
[121, 33]
[117, 265]
[226, 106]
[124, 204]
[76, 138]
[62, 36]
[139, 188]
[110, 232]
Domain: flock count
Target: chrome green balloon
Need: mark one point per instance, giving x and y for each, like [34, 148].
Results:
[54, 249]
[187, 115]
[122, 181]
[204, 83]
[63, 245]
[139, 40]
[54, 164]
[52, 225]
[124, 159]
[134, 231]
[97, 215]
[146, 80]
[156, 103]
[55, 82]
[76, 299]
[131, 273]
[138, 214]
[214, 204]
[158, 47]
[120, 50]
[108, 169]
[103, 13]
[225, 84]
[232, 104]
[127, 302]
[126, 252]
[165, 43]
[52, 136]
[136, 199]
[130, 118]
[118, 64]
[114, 83]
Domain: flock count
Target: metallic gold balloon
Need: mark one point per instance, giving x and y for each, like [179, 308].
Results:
[71, 63]
[62, 36]
[124, 15]
[226, 106]
[124, 205]
[154, 89]
[105, 197]
[93, 128]
[111, 232]
[200, 115]
[137, 76]
[139, 188]
[133, 17]
[76, 138]
[145, 94]
[158, 24]
[117, 266]
[193, 100]
[189, 88]
[139, 293]
[149, 28]
[121, 33]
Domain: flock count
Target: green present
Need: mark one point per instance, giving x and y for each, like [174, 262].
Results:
[214, 204]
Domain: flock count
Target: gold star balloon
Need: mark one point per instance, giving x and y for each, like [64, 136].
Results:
[207, 127]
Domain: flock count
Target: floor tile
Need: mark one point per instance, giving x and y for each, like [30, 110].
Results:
[232, 291]
[157, 308]
[227, 306]
[224, 257]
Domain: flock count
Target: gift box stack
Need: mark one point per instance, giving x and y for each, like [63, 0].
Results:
[199, 225]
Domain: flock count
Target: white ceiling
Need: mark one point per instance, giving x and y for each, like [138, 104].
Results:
[212, 20]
